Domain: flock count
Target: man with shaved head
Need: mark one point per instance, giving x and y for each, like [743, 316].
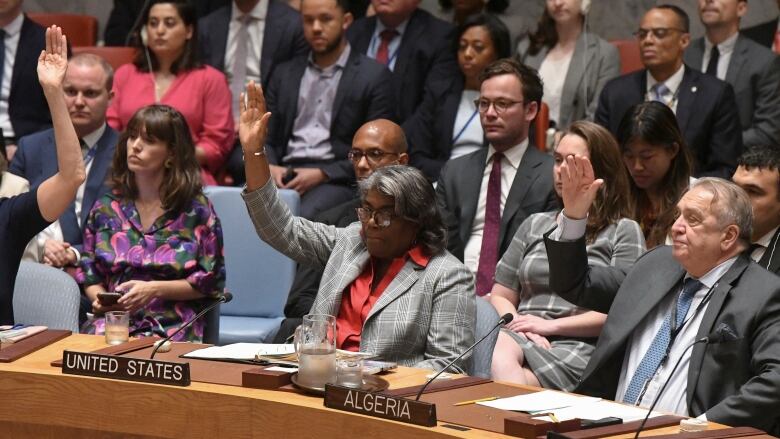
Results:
[376, 143]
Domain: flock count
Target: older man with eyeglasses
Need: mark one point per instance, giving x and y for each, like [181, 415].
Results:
[705, 106]
[485, 195]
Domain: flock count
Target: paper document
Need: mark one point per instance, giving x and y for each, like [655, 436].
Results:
[242, 351]
[603, 409]
[544, 401]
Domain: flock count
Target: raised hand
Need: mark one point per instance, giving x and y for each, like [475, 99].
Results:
[253, 122]
[53, 62]
[579, 186]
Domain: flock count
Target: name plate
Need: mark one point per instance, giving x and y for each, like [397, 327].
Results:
[380, 405]
[128, 369]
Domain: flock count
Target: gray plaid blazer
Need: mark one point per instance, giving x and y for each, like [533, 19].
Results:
[426, 316]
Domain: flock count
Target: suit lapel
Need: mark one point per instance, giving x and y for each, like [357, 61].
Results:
[271, 39]
[739, 58]
[414, 31]
[347, 81]
[771, 259]
[355, 261]
[219, 39]
[288, 101]
[719, 293]
[694, 56]
[402, 282]
[526, 174]
[575, 76]
[97, 172]
[363, 35]
[24, 56]
[686, 98]
[470, 184]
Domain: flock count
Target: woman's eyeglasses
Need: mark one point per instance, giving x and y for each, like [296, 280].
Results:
[382, 218]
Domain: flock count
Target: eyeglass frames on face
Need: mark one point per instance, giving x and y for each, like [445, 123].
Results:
[374, 156]
[500, 105]
[382, 217]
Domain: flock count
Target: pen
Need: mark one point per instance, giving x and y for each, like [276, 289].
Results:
[474, 401]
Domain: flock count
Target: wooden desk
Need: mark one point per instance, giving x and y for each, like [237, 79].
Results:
[38, 401]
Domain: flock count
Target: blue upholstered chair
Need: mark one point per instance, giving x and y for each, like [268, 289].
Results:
[46, 296]
[258, 276]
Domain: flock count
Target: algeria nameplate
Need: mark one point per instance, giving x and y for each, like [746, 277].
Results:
[380, 405]
[124, 368]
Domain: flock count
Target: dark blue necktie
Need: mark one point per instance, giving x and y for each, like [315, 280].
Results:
[657, 350]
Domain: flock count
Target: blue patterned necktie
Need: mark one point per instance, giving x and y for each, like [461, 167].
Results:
[657, 350]
[659, 90]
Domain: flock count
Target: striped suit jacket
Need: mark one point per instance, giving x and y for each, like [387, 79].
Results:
[426, 316]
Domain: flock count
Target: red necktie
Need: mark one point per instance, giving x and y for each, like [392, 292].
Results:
[386, 36]
[488, 253]
[777, 42]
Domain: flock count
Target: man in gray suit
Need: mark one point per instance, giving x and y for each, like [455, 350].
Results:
[488, 193]
[751, 69]
[703, 292]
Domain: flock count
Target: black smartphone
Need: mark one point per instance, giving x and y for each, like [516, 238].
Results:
[109, 297]
[289, 175]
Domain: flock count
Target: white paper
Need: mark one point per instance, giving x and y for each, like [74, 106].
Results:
[282, 369]
[603, 409]
[544, 401]
[241, 351]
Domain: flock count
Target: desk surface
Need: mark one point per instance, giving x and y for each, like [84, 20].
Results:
[45, 403]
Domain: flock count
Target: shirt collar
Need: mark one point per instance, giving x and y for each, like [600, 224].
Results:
[15, 26]
[513, 155]
[340, 63]
[92, 138]
[712, 276]
[766, 239]
[259, 12]
[673, 83]
[400, 29]
[726, 46]
[418, 256]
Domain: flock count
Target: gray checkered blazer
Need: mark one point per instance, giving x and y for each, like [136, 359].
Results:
[426, 316]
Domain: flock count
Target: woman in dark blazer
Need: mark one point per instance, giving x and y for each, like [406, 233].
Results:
[455, 129]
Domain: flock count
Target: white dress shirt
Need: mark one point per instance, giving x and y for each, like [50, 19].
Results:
[674, 398]
[12, 34]
[725, 48]
[763, 246]
[672, 84]
[509, 164]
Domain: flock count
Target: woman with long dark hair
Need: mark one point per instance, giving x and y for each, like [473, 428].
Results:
[659, 162]
[550, 341]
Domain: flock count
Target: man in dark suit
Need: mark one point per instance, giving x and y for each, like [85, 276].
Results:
[758, 174]
[376, 144]
[247, 40]
[23, 108]
[417, 47]
[488, 193]
[318, 103]
[705, 106]
[752, 70]
[87, 87]
[767, 34]
[674, 297]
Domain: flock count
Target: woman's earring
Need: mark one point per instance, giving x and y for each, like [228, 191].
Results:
[168, 163]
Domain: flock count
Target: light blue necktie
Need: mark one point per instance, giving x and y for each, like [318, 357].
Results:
[657, 350]
[659, 90]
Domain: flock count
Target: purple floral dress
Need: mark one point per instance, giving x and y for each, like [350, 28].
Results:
[184, 246]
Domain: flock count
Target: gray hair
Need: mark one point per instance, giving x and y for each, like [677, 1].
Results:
[415, 200]
[730, 205]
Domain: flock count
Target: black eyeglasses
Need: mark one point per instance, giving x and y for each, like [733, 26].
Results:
[658, 32]
[500, 105]
[374, 156]
[382, 217]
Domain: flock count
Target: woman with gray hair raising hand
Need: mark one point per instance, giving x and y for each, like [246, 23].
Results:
[393, 288]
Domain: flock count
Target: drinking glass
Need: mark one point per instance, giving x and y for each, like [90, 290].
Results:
[117, 327]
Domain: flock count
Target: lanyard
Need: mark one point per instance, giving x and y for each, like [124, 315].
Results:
[466, 125]
[375, 49]
[90, 155]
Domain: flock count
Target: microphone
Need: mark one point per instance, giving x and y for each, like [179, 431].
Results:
[136, 24]
[506, 318]
[224, 298]
[722, 333]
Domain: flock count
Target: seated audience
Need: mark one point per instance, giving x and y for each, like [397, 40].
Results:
[550, 341]
[23, 107]
[247, 39]
[87, 86]
[574, 64]
[704, 105]
[706, 283]
[658, 160]
[23, 216]
[376, 144]
[453, 129]
[484, 196]
[155, 237]
[517, 16]
[751, 69]
[319, 101]
[758, 173]
[394, 289]
[458, 11]
[167, 70]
